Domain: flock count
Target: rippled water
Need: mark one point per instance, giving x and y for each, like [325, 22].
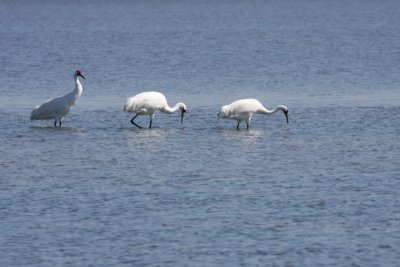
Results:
[319, 191]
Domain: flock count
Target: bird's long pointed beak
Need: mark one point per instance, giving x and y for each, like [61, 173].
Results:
[182, 114]
[287, 116]
[82, 76]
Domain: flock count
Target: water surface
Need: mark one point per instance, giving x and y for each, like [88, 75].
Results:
[319, 191]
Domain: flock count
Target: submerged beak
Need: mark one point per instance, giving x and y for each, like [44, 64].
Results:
[219, 116]
[287, 116]
[182, 114]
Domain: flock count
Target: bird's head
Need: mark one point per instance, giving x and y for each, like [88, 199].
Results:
[224, 112]
[285, 111]
[79, 73]
[183, 109]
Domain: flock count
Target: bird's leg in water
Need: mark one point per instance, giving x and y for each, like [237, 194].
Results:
[55, 123]
[237, 127]
[150, 123]
[60, 123]
[134, 122]
[247, 127]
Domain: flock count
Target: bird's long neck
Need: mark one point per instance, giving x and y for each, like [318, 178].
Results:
[270, 112]
[77, 91]
[168, 109]
[78, 88]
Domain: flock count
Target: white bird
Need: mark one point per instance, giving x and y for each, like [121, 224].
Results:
[147, 103]
[58, 107]
[243, 110]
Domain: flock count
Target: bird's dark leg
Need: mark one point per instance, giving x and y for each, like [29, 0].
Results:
[55, 123]
[60, 122]
[150, 123]
[247, 126]
[134, 122]
[237, 127]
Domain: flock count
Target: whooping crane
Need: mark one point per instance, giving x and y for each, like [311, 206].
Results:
[58, 107]
[147, 103]
[243, 110]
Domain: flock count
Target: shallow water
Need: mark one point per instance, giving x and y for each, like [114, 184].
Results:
[321, 190]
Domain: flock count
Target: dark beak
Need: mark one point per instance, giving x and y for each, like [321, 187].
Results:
[82, 76]
[287, 116]
[182, 114]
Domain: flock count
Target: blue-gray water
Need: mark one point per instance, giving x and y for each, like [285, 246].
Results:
[320, 191]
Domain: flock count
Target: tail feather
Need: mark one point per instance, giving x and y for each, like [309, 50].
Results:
[35, 113]
[41, 113]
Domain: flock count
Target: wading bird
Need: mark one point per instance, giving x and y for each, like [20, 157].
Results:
[243, 110]
[58, 107]
[147, 103]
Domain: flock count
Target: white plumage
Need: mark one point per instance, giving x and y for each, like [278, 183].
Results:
[147, 103]
[58, 107]
[243, 110]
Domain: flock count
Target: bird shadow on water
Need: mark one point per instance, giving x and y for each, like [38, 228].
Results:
[253, 134]
[57, 129]
[146, 133]
[244, 133]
